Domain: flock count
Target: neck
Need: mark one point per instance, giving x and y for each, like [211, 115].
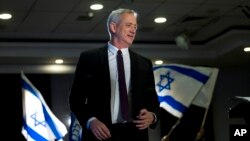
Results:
[118, 44]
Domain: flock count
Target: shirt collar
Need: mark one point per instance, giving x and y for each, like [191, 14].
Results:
[113, 49]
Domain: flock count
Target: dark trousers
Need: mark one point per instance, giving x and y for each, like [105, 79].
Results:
[122, 132]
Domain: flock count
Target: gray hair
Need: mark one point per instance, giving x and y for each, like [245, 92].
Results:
[115, 16]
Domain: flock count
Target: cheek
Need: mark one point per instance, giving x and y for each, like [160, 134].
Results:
[123, 33]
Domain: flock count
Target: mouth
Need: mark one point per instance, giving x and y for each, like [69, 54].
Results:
[131, 36]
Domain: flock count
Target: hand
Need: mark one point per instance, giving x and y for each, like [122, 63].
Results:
[99, 129]
[145, 119]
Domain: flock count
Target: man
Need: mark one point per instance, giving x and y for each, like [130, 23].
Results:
[95, 91]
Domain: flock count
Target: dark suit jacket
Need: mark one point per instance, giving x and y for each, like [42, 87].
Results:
[91, 93]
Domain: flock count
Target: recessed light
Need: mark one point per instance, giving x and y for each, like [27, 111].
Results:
[90, 14]
[5, 16]
[96, 6]
[247, 49]
[158, 62]
[160, 20]
[59, 61]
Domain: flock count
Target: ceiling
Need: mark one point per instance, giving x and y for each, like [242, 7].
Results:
[42, 30]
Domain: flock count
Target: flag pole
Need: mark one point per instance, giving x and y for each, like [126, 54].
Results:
[166, 137]
[213, 76]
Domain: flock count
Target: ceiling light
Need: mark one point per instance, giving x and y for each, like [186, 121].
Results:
[247, 49]
[59, 61]
[182, 41]
[90, 14]
[158, 62]
[96, 6]
[5, 16]
[160, 20]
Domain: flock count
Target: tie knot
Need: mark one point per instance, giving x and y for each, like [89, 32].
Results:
[119, 52]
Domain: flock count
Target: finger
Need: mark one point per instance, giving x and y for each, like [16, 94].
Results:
[141, 126]
[102, 134]
[106, 132]
[97, 134]
[143, 112]
[144, 117]
[138, 121]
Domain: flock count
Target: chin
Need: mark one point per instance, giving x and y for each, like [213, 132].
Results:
[130, 42]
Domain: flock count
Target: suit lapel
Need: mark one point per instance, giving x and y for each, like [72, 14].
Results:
[133, 63]
[103, 53]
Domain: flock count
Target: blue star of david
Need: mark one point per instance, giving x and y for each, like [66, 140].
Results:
[37, 122]
[165, 84]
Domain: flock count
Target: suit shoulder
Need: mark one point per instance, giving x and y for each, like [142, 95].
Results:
[141, 58]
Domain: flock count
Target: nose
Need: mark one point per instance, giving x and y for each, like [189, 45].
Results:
[133, 30]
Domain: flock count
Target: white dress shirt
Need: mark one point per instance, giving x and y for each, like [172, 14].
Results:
[115, 98]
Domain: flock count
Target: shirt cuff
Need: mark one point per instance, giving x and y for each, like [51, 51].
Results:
[89, 121]
[155, 117]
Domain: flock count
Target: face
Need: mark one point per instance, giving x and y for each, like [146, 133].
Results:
[124, 32]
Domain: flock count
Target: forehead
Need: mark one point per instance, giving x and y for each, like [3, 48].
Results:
[128, 17]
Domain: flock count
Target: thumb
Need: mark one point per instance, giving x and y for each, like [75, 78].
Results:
[142, 112]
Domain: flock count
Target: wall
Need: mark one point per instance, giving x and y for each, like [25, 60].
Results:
[61, 85]
[230, 83]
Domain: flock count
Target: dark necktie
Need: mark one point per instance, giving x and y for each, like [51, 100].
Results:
[122, 87]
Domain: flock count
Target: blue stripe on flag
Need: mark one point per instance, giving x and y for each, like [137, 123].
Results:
[29, 88]
[51, 124]
[175, 104]
[187, 71]
[33, 133]
[75, 130]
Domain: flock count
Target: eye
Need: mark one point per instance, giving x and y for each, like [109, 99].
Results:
[135, 27]
[129, 25]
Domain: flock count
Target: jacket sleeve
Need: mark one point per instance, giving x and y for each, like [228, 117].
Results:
[152, 95]
[78, 94]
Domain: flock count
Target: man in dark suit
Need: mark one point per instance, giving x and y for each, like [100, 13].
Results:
[95, 94]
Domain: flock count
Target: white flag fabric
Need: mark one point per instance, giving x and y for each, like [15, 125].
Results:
[39, 123]
[178, 86]
[75, 130]
[246, 99]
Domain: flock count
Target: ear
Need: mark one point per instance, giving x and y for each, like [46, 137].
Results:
[112, 27]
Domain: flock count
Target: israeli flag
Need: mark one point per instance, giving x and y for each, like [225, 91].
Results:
[178, 86]
[39, 123]
[75, 130]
